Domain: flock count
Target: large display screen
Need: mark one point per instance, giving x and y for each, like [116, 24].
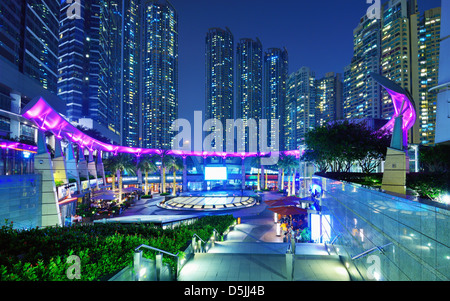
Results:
[216, 173]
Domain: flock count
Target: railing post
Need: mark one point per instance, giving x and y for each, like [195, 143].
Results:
[137, 259]
[194, 245]
[158, 260]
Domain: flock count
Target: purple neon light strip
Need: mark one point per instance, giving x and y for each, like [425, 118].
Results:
[409, 113]
[43, 115]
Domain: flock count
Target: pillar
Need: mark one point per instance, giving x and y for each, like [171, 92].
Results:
[243, 172]
[92, 169]
[50, 213]
[59, 164]
[71, 167]
[184, 174]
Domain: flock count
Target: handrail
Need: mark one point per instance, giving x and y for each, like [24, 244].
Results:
[370, 251]
[195, 234]
[156, 249]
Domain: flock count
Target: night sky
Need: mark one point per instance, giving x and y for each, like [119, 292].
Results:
[317, 34]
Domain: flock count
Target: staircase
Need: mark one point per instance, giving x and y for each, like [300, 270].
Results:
[262, 261]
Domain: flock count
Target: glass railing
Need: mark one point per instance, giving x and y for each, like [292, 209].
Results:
[407, 240]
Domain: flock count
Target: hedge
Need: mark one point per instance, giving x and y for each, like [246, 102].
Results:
[104, 249]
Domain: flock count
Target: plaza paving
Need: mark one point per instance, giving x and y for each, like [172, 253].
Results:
[252, 251]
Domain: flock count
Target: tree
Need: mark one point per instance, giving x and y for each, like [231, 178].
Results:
[164, 154]
[288, 164]
[336, 146]
[174, 164]
[256, 163]
[147, 165]
[435, 158]
[119, 164]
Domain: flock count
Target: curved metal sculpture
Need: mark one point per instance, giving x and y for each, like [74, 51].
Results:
[404, 112]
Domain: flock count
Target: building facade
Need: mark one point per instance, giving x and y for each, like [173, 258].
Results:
[219, 70]
[89, 61]
[276, 70]
[329, 93]
[301, 106]
[159, 73]
[249, 88]
[399, 53]
[429, 47]
[362, 98]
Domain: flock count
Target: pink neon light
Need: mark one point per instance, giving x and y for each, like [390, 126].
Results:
[60, 127]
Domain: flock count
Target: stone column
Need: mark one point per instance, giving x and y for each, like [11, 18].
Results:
[59, 164]
[100, 167]
[83, 166]
[92, 169]
[71, 166]
[50, 213]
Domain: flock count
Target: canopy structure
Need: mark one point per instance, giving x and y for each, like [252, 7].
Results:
[47, 119]
[289, 210]
[403, 105]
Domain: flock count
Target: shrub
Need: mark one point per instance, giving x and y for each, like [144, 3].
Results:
[104, 249]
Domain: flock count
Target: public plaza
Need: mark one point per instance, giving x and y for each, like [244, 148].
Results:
[93, 188]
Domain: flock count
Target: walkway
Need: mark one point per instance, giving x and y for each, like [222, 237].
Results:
[252, 251]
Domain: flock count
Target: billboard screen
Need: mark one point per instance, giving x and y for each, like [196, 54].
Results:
[215, 173]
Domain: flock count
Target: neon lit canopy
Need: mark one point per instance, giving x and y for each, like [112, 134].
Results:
[399, 97]
[47, 119]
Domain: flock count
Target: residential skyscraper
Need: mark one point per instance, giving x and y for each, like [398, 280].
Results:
[219, 55]
[442, 89]
[159, 73]
[29, 31]
[249, 77]
[301, 106]
[130, 73]
[88, 65]
[429, 47]
[276, 71]
[329, 96]
[399, 53]
[362, 98]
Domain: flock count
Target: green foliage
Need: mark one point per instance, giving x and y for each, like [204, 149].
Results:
[435, 158]
[336, 146]
[104, 249]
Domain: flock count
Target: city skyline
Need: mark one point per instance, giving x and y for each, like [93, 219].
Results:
[195, 21]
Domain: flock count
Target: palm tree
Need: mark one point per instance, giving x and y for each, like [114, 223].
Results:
[164, 155]
[256, 163]
[123, 163]
[147, 165]
[282, 165]
[174, 164]
[110, 165]
[289, 163]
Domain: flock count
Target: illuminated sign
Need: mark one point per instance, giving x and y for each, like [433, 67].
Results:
[216, 173]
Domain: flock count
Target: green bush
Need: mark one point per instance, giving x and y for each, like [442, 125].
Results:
[104, 249]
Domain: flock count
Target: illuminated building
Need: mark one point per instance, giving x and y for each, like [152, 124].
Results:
[219, 54]
[301, 105]
[276, 71]
[399, 52]
[249, 75]
[159, 71]
[29, 33]
[329, 98]
[361, 92]
[89, 64]
[429, 36]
